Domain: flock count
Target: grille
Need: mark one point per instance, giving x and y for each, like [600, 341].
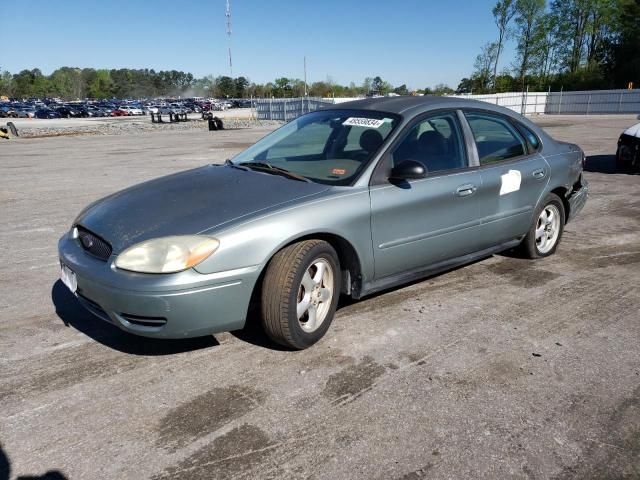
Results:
[144, 321]
[93, 244]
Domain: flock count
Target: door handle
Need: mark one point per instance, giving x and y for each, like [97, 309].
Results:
[465, 190]
[538, 174]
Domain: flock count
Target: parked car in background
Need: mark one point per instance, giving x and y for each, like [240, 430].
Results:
[119, 112]
[352, 199]
[97, 111]
[26, 112]
[67, 111]
[149, 109]
[8, 111]
[131, 110]
[172, 108]
[46, 113]
[628, 151]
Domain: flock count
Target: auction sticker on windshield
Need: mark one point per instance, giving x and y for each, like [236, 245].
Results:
[363, 122]
[68, 277]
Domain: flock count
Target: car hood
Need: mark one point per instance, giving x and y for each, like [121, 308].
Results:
[633, 131]
[188, 203]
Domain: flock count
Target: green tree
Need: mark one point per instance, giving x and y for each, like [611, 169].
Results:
[6, 83]
[241, 85]
[465, 86]
[224, 87]
[529, 14]
[483, 65]
[601, 23]
[401, 90]
[442, 89]
[282, 87]
[320, 89]
[545, 55]
[505, 83]
[571, 20]
[503, 12]
[622, 52]
[101, 86]
[380, 86]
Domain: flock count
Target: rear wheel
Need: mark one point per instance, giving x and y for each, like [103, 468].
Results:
[545, 233]
[300, 293]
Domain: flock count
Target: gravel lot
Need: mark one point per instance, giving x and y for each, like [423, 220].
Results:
[35, 127]
[502, 369]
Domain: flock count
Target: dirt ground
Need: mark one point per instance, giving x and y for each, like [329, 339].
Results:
[505, 368]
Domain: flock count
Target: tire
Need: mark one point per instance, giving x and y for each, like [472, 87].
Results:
[305, 274]
[546, 230]
[621, 165]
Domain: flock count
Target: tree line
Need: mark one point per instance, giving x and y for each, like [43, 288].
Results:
[72, 83]
[570, 44]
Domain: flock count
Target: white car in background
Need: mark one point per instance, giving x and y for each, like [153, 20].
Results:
[29, 112]
[172, 108]
[131, 110]
[628, 151]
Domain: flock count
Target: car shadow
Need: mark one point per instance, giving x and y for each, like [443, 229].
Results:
[74, 315]
[346, 301]
[603, 164]
[254, 334]
[5, 471]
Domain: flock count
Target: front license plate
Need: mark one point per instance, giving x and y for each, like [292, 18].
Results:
[68, 277]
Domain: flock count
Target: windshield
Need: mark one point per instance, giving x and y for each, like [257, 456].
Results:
[329, 146]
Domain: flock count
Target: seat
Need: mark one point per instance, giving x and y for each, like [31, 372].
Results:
[434, 152]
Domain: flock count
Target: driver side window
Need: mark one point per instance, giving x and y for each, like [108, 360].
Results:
[435, 142]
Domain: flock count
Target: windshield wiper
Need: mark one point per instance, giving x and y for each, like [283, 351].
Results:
[229, 163]
[268, 168]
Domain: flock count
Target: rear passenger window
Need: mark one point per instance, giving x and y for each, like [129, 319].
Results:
[496, 138]
[532, 138]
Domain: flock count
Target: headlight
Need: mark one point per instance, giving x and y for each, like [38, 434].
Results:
[167, 255]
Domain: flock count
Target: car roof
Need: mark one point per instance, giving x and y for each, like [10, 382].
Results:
[411, 106]
[414, 105]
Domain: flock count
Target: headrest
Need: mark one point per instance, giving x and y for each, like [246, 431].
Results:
[370, 140]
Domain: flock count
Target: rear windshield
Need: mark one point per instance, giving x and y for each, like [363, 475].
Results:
[331, 146]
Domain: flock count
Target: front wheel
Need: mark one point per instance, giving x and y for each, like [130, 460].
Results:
[300, 293]
[545, 233]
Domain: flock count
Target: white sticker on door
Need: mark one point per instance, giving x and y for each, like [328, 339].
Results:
[510, 182]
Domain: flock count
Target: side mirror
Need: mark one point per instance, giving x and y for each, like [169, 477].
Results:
[408, 170]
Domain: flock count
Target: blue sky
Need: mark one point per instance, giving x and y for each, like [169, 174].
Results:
[420, 43]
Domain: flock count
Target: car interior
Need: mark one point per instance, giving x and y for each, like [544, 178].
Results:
[330, 153]
[435, 143]
[496, 139]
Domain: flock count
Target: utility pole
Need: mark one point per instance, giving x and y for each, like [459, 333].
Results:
[227, 14]
[305, 76]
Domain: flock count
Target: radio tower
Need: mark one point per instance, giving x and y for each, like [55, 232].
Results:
[227, 14]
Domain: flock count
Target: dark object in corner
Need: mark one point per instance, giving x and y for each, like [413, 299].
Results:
[215, 123]
[14, 130]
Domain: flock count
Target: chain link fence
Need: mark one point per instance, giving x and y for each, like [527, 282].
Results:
[286, 109]
[525, 103]
[583, 102]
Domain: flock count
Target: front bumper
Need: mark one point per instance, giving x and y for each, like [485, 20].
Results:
[578, 198]
[178, 305]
